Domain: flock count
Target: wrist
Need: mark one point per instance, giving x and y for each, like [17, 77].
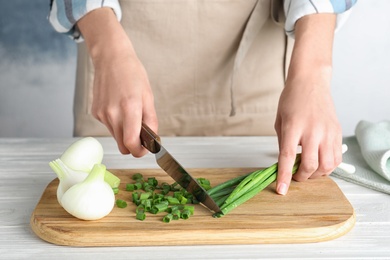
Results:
[311, 59]
[310, 73]
[104, 36]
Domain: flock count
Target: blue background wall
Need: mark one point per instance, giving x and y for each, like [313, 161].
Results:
[37, 69]
[37, 72]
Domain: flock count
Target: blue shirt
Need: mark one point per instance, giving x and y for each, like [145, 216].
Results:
[64, 14]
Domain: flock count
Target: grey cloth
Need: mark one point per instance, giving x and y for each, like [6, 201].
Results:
[369, 152]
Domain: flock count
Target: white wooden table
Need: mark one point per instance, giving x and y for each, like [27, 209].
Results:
[24, 174]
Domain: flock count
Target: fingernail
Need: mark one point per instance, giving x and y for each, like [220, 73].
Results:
[282, 189]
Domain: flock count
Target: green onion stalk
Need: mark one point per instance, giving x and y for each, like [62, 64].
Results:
[232, 193]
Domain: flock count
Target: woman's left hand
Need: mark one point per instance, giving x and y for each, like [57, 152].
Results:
[306, 115]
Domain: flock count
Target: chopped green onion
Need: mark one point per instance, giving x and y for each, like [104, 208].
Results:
[121, 203]
[145, 195]
[130, 187]
[149, 189]
[176, 214]
[135, 196]
[185, 214]
[205, 183]
[146, 186]
[160, 207]
[147, 203]
[140, 216]
[164, 197]
[183, 200]
[191, 209]
[168, 218]
[172, 200]
[172, 208]
[137, 176]
[152, 181]
[115, 190]
[180, 198]
[174, 186]
[166, 187]
[140, 208]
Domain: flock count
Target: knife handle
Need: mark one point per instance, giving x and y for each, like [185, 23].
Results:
[149, 139]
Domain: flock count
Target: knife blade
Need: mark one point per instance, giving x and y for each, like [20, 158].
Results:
[170, 165]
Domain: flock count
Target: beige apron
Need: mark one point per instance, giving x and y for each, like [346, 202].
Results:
[216, 67]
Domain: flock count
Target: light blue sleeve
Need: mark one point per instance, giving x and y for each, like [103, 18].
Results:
[64, 14]
[296, 9]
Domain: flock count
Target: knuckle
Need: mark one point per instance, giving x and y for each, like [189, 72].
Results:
[287, 153]
[277, 126]
[123, 149]
[326, 166]
[95, 111]
[110, 115]
[338, 160]
[309, 165]
[136, 155]
[98, 114]
[125, 104]
[129, 144]
[300, 176]
[130, 104]
[132, 144]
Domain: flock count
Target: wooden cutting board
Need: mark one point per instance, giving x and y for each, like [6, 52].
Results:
[312, 211]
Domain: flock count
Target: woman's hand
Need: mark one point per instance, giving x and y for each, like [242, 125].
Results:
[122, 96]
[306, 115]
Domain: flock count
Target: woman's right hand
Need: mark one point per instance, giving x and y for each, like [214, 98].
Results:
[122, 96]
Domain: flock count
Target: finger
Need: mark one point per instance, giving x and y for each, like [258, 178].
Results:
[116, 125]
[109, 120]
[277, 126]
[149, 116]
[325, 161]
[338, 151]
[287, 153]
[118, 135]
[132, 121]
[330, 156]
[103, 119]
[309, 160]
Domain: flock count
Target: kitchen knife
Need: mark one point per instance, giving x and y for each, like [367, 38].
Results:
[165, 160]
